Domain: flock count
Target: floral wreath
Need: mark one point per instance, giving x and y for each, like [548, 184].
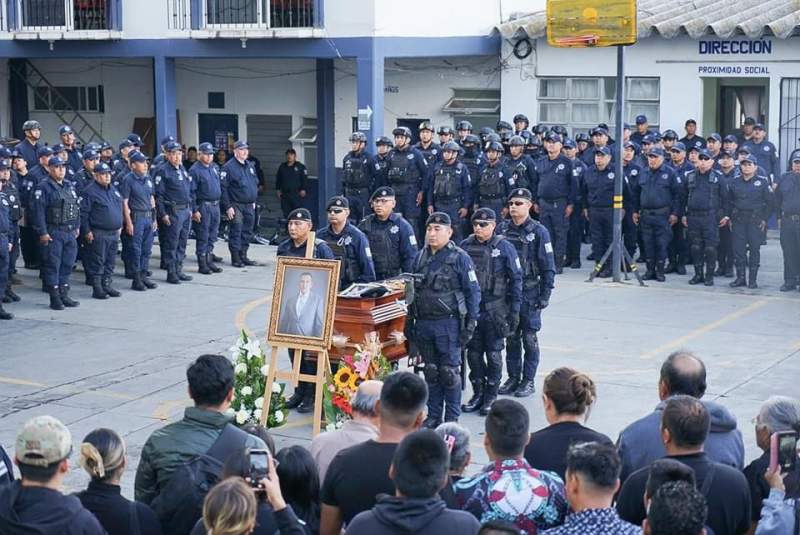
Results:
[250, 368]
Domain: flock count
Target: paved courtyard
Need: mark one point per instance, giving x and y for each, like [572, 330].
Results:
[121, 363]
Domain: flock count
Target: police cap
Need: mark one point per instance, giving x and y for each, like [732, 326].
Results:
[402, 131]
[716, 137]
[90, 155]
[137, 157]
[55, 161]
[516, 141]
[670, 134]
[31, 125]
[102, 168]
[105, 145]
[561, 130]
[64, 129]
[631, 145]
[484, 214]
[471, 139]
[445, 130]
[569, 143]
[743, 150]
[44, 151]
[521, 117]
[604, 150]
[451, 146]
[5, 152]
[205, 148]
[730, 139]
[582, 138]
[241, 144]
[58, 147]
[485, 131]
[5, 165]
[43, 441]
[678, 147]
[749, 121]
[703, 154]
[383, 140]
[299, 214]
[135, 139]
[626, 126]
[758, 126]
[599, 132]
[534, 141]
[438, 218]
[464, 125]
[172, 146]
[641, 119]
[796, 157]
[166, 139]
[648, 139]
[15, 154]
[749, 159]
[520, 193]
[495, 146]
[725, 154]
[656, 151]
[125, 144]
[426, 125]
[382, 193]
[553, 137]
[337, 201]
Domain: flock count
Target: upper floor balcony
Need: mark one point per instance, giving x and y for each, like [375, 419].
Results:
[61, 19]
[246, 18]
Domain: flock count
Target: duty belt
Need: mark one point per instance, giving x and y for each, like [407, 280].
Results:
[177, 207]
[355, 190]
[210, 203]
[696, 212]
[104, 232]
[145, 213]
[554, 202]
[744, 214]
[64, 226]
[655, 211]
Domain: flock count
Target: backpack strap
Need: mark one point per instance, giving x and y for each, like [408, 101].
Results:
[229, 440]
[134, 519]
[712, 467]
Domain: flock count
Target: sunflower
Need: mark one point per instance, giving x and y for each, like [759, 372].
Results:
[345, 379]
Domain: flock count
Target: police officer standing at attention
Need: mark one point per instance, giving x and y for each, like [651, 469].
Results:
[494, 181]
[473, 156]
[8, 189]
[291, 182]
[599, 139]
[445, 134]
[630, 231]
[121, 165]
[764, 151]
[521, 124]
[787, 203]
[705, 214]
[28, 148]
[299, 225]
[642, 129]
[450, 190]
[463, 129]
[206, 193]
[74, 157]
[56, 220]
[443, 316]
[599, 194]
[357, 179]
[520, 165]
[5, 245]
[138, 211]
[657, 201]
[407, 175]
[384, 145]
[728, 171]
[691, 139]
[430, 150]
[749, 201]
[532, 242]
[85, 175]
[101, 221]
[28, 241]
[173, 199]
[390, 236]
[348, 244]
[239, 195]
[678, 250]
[577, 221]
[556, 190]
[500, 278]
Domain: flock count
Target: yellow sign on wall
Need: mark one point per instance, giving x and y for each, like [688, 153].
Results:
[588, 23]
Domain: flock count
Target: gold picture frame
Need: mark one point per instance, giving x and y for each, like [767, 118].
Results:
[306, 330]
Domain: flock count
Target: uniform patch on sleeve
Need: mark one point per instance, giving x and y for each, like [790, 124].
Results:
[412, 240]
[519, 266]
[368, 252]
[37, 194]
[548, 247]
[472, 276]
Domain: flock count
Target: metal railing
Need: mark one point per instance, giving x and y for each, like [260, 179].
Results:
[178, 15]
[42, 15]
[243, 14]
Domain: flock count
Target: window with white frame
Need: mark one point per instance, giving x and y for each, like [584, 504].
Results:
[581, 103]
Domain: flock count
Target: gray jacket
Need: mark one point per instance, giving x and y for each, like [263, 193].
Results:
[778, 515]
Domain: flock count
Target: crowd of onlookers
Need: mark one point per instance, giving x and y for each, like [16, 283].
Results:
[678, 470]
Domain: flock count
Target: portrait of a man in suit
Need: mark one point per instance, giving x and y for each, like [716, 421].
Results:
[302, 313]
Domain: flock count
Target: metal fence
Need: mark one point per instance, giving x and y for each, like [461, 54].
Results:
[259, 13]
[789, 130]
[64, 14]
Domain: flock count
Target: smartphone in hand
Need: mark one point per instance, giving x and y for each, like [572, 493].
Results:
[783, 451]
[259, 466]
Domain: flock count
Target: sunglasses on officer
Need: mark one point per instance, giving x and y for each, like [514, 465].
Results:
[516, 203]
[481, 224]
[335, 210]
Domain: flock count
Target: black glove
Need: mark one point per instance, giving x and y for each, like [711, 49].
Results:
[409, 330]
[467, 332]
[543, 303]
[513, 322]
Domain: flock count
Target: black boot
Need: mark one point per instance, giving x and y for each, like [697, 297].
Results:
[137, 282]
[236, 259]
[111, 291]
[65, 298]
[509, 387]
[202, 265]
[751, 278]
[296, 398]
[307, 405]
[97, 289]
[150, 285]
[525, 389]
[215, 258]
[5, 315]
[672, 267]
[10, 295]
[698, 275]
[709, 280]
[785, 287]
[660, 271]
[246, 261]
[211, 265]
[650, 274]
[476, 400]
[489, 395]
[129, 271]
[172, 276]
[680, 268]
[739, 281]
[181, 275]
[55, 299]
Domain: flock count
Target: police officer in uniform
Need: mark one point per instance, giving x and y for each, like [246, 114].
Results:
[445, 134]
[357, 176]
[11, 194]
[173, 200]
[391, 237]
[5, 244]
[407, 175]
[430, 150]
[577, 220]
[764, 151]
[556, 190]
[521, 124]
[678, 251]
[101, 221]
[443, 315]
[705, 214]
[657, 201]
[450, 189]
[630, 231]
[74, 156]
[291, 182]
[26, 184]
[728, 171]
[56, 220]
[535, 251]
[384, 145]
[121, 166]
[299, 225]
[520, 164]
[239, 195]
[787, 203]
[28, 148]
[473, 156]
[85, 175]
[463, 129]
[599, 190]
[500, 278]
[599, 139]
[348, 244]
[206, 194]
[494, 181]
[749, 201]
[139, 211]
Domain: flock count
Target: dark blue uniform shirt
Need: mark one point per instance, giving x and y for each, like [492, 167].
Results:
[456, 187]
[173, 187]
[752, 196]
[659, 188]
[536, 256]
[392, 242]
[28, 152]
[355, 254]
[101, 208]
[705, 192]
[505, 265]
[206, 184]
[599, 187]
[321, 249]
[467, 279]
[554, 179]
[766, 154]
[787, 194]
[138, 190]
[50, 194]
[239, 183]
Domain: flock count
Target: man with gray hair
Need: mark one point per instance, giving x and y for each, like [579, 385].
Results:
[363, 427]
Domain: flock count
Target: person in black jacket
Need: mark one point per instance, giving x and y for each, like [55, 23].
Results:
[103, 456]
[419, 470]
[300, 484]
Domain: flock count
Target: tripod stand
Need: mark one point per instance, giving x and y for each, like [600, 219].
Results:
[628, 266]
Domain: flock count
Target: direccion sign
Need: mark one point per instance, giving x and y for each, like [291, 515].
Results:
[743, 46]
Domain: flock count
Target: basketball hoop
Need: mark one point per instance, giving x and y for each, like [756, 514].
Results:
[578, 41]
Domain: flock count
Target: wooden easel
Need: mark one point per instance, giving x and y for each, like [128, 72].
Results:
[294, 376]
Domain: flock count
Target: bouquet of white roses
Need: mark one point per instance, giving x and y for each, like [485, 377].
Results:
[249, 365]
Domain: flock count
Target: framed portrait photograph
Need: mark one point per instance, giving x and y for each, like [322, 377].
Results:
[303, 302]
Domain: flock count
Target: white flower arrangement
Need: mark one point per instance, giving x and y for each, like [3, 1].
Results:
[250, 371]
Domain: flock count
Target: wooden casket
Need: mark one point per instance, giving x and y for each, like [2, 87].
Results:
[357, 316]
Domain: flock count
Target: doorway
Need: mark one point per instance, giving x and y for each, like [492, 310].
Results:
[728, 101]
[220, 129]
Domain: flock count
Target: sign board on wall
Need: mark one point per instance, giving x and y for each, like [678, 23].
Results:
[734, 48]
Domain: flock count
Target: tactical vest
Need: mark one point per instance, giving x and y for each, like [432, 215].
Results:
[691, 186]
[437, 294]
[470, 161]
[65, 209]
[384, 253]
[490, 184]
[446, 184]
[519, 169]
[14, 208]
[381, 163]
[350, 269]
[430, 154]
[526, 242]
[402, 168]
[355, 176]
[494, 286]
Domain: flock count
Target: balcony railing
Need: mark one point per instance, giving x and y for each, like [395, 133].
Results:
[243, 14]
[65, 15]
